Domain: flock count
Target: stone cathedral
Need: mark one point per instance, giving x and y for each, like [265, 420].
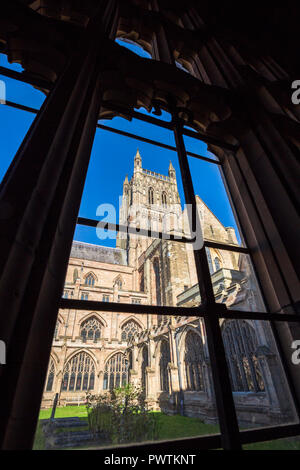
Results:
[168, 356]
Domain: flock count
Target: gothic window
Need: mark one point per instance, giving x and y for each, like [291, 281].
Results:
[163, 365]
[217, 263]
[105, 298]
[131, 328]
[144, 365]
[119, 283]
[84, 296]
[90, 280]
[90, 329]
[50, 378]
[240, 345]
[151, 196]
[79, 373]
[157, 281]
[115, 372]
[164, 199]
[193, 359]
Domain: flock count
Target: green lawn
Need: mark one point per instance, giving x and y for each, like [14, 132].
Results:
[170, 427]
[65, 412]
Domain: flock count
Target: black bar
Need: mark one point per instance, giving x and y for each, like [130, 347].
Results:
[95, 305]
[153, 142]
[209, 139]
[133, 230]
[220, 373]
[26, 78]
[160, 235]
[250, 436]
[225, 246]
[201, 311]
[271, 317]
[21, 106]
[169, 125]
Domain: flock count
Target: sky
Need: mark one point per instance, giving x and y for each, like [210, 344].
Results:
[112, 156]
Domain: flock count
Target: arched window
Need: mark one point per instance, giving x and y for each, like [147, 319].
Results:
[163, 365]
[164, 199]
[119, 283]
[157, 281]
[50, 377]
[240, 345]
[79, 373]
[131, 328]
[144, 365]
[115, 372]
[217, 263]
[193, 360]
[151, 196]
[90, 329]
[90, 280]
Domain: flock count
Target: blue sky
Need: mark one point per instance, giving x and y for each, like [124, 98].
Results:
[112, 156]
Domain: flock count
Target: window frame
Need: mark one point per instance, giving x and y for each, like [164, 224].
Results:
[230, 437]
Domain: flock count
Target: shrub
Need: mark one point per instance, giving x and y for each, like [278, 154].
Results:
[121, 415]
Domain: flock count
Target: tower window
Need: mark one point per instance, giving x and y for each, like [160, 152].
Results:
[150, 196]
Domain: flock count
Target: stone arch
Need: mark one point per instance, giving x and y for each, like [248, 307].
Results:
[134, 318]
[79, 350]
[95, 314]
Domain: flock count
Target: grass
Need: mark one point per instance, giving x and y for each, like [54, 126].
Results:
[170, 427]
[65, 412]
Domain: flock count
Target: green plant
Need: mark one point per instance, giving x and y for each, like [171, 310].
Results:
[121, 415]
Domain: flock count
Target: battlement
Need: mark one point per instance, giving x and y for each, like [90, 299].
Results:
[156, 175]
